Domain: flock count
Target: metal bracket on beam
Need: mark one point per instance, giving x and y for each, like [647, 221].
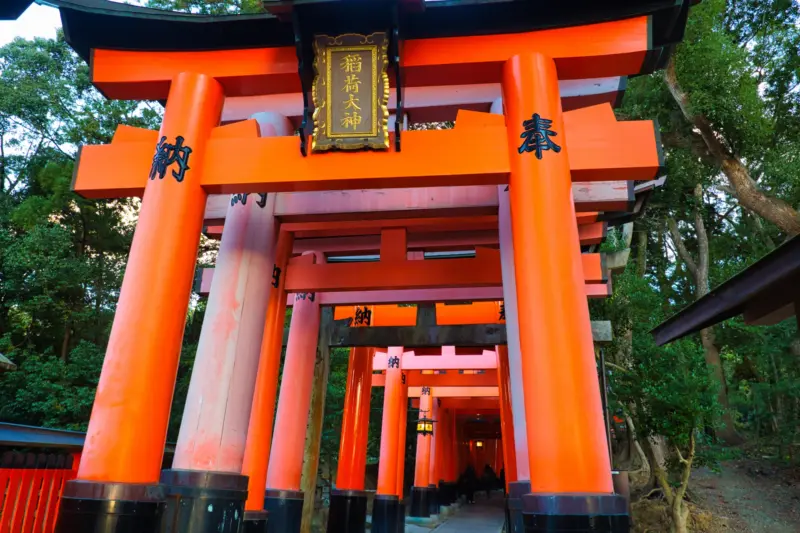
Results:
[298, 44]
[395, 59]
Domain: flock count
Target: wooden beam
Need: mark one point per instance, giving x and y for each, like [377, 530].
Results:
[421, 201]
[446, 361]
[460, 294]
[487, 406]
[479, 335]
[481, 271]
[465, 155]
[457, 392]
[616, 48]
[434, 103]
[451, 379]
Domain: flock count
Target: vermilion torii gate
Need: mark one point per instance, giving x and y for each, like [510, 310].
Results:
[535, 134]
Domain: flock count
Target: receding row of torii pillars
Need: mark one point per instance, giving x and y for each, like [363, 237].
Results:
[226, 451]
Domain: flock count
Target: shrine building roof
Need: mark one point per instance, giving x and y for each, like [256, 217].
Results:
[102, 24]
[766, 292]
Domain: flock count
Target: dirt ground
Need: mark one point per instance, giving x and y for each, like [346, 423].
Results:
[754, 496]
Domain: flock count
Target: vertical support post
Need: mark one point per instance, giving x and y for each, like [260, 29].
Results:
[512, 321]
[553, 314]
[506, 415]
[357, 396]
[210, 449]
[402, 418]
[348, 507]
[433, 472]
[316, 416]
[283, 498]
[420, 492]
[262, 414]
[127, 431]
[386, 503]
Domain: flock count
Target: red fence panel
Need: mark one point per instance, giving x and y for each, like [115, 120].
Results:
[30, 490]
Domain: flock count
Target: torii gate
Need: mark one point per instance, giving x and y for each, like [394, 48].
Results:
[532, 146]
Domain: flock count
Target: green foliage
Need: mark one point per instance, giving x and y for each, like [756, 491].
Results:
[667, 391]
[61, 256]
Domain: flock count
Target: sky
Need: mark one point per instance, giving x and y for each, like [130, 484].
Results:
[37, 21]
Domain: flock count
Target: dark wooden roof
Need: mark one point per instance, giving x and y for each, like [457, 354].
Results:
[19, 436]
[102, 24]
[12, 9]
[765, 293]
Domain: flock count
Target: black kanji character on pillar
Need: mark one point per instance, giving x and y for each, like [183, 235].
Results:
[502, 311]
[262, 200]
[310, 296]
[276, 276]
[166, 155]
[239, 198]
[394, 362]
[426, 391]
[363, 316]
[536, 137]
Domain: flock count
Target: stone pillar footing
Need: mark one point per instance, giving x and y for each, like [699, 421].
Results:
[285, 508]
[578, 513]
[420, 501]
[401, 516]
[348, 511]
[386, 514]
[448, 492]
[203, 502]
[433, 501]
[95, 507]
[516, 490]
[255, 522]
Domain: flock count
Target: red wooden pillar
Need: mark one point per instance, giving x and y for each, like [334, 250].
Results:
[423, 457]
[213, 430]
[402, 417]
[385, 509]
[128, 426]
[283, 497]
[262, 414]
[569, 455]
[355, 421]
[506, 417]
[348, 501]
[433, 475]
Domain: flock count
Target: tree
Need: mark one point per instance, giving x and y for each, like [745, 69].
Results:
[61, 256]
[668, 393]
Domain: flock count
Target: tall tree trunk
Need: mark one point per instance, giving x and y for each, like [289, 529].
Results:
[699, 271]
[65, 341]
[308, 482]
[743, 186]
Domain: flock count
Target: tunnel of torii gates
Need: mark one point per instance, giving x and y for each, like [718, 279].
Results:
[508, 205]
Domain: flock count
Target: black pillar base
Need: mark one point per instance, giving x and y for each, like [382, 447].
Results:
[386, 513]
[420, 501]
[433, 502]
[507, 516]
[348, 511]
[254, 522]
[401, 517]
[578, 513]
[516, 490]
[285, 508]
[203, 502]
[448, 492]
[92, 507]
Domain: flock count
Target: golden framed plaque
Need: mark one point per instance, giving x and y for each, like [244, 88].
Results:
[351, 92]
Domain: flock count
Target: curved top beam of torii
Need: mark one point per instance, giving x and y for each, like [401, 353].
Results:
[447, 43]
